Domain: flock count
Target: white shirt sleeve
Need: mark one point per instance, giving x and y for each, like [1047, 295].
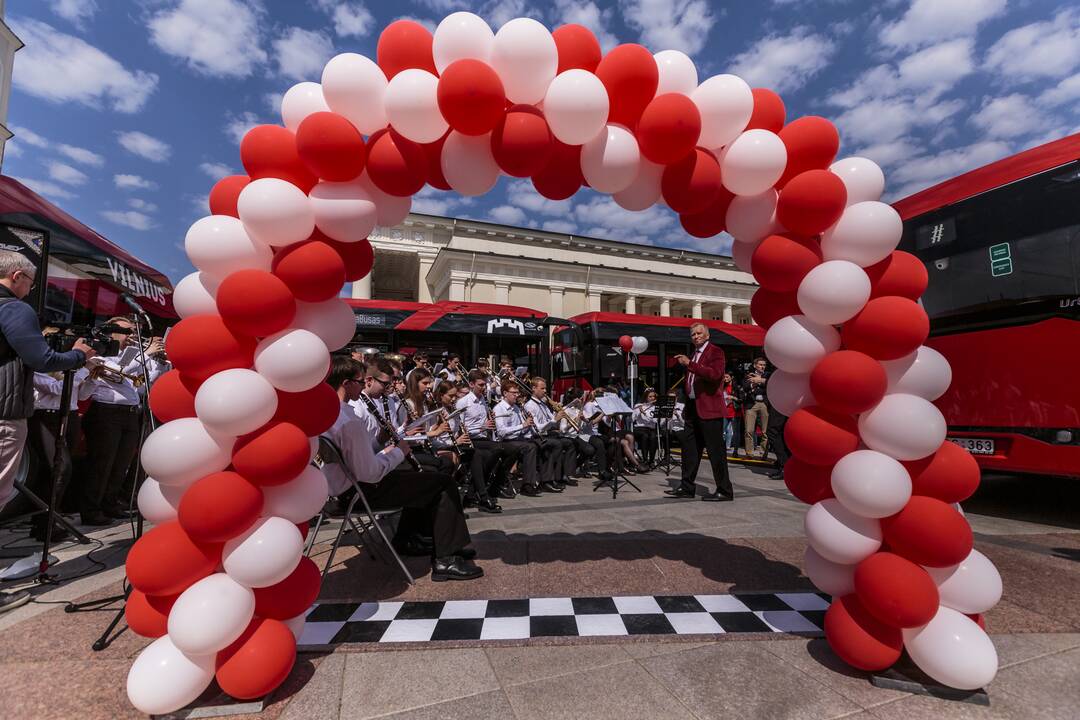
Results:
[507, 423]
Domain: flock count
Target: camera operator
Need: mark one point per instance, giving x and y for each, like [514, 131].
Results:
[22, 351]
[756, 407]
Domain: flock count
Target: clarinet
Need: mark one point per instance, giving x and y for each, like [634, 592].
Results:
[388, 428]
[412, 416]
[459, 447]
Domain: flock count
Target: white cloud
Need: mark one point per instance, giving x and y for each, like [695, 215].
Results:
[200, 206]
[507, 215]
[432, 201]
[75, 12]
[1049, 49]
[521, 193]
[236, 126]
[216, 171]
[129, 218]
[350, 18]
[889, 153]
[928, 21]
[938, 67]
[141, 144]
[301, 54]
[588, 14]
[45, 187]
[81, 155]
[784, 62]
[133, 182]
[1068, 90]
[604, 218]
[66, 174]
[560, 226]
[670, 24]
[62, 68]
[882, 121]
[28, 136]
[926, 170]
[426, 22]
[220, 38]
[1009, 116]
[140, 204]
[717, 244]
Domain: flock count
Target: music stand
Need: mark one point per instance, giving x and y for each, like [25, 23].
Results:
[613, 406]
[665, 410]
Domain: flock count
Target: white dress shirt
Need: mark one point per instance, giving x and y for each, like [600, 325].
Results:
[47, 390]
[124, 392]
[645, 415]
[475, 416]
[509, 421]
[356, 436]
[690, 376]
[545, 419]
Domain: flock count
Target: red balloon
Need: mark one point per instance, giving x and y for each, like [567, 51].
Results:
[951, 474]
[896, 591]
[166, 560]
[258, 661]
[780, 262]
[396, 164]
[219, 507]
[255, 303]
[812, 143]
[331, 147]
[144, 619]
[312, 270]
[314, 411]
[768, 306]
[291, 596]
[225, 194]
[359, 257]
[691, 184]
[521, 142]
[769, 111]
[561, 177]
[979, 620]
[471, 97]
[809, 483]
[433, 156]
[887, 328]
[669, 128]
[626, 343]
[578, 48]
[269, 151]
[712, 220]
[820, 437]
[900, 274]
[848, 382]
[811, 202]
[404, 45]
[304, 529]
[272, 455]
[202, 345]
[860, 639]
[928, 532]
[631, 77]
[172, 396]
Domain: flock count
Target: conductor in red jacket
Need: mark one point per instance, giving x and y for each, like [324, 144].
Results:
[704, 417]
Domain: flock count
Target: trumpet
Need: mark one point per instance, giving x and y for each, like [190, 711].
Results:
[113, 375]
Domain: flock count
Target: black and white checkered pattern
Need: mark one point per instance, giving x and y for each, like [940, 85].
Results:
[390, 622]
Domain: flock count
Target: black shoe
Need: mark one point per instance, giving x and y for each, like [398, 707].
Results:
[572, 482]
[550, 487]
[117, 512]
[778, 475]
[506, 493]
[59, 534]
[454, 568]
[466, 553]
[716, 497]
[489, 505]
[97, 519]
[530, 491]
[413, 548]
[12, 600]
[680, 492]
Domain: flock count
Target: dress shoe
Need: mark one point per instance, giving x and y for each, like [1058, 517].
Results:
[716, 497]
[530, 491]
[413, 548]
[506, 493]
[12, 600]
[59, 534]
[550, 487]
[454, 567]
[116, 513]
[680, 493]
[97, 519]
[571, 481]
[778, 475]
[467, 553]
[489, 505]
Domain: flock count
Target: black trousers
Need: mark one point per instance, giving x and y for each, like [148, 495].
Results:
[42, 431]
[112, 439]
[501, 456]
[481, 464]
[775, 436]
[527, 456]
[566, 466]
[645, 437]
[699, 435]
[550, 456]
[434, 463]
[434, 501]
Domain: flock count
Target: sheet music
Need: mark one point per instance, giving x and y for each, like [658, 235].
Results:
[612, 405]
[433, 416]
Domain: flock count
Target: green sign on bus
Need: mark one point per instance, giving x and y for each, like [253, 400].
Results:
[1000, 260]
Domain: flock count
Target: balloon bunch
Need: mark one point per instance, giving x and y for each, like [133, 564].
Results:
[636, 344]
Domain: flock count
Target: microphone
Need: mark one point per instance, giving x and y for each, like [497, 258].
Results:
[135, 306]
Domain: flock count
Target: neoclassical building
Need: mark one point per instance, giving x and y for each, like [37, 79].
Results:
[429, 258]
[9, 44]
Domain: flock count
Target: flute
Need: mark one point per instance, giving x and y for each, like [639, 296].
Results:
[388, 428]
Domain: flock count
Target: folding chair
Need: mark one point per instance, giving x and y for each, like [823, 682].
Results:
[329, 454]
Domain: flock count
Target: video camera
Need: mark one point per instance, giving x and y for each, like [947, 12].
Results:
[99, 338]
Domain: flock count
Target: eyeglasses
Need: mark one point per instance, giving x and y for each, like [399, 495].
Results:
[379, 380]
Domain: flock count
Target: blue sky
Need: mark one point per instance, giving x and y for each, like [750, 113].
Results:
[126, 111]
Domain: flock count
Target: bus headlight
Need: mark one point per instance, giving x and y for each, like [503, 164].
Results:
[1063, 436]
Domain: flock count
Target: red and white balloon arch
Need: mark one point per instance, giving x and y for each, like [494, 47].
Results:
[221, 580]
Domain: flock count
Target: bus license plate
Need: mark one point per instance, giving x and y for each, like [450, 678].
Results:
[975, 446]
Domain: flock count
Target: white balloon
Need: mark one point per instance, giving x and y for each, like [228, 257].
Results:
[181, 451]
[296, 625]
[742, 252]
[643, 193]
[862, 178]
[265, 554]
[925, 373]
[953, 650]
[833, 292]
[576, 106]
[219, 245]
[468, 165]
[752, 217]
[210, 615]
[865, 234]
[275, 212]
[235, 402]
[345, 211]
[355, 87]
[904, 427]
[298, 500]
[870, 484]
[839, 535]
[796, 343]
[640, 345]
[293, 360]
[972, 586]
[726, 103]
[390, 210]
[828, 577]
[610, 161]
[677, 73]
[459, 36]
[301, 100]
[332, 320]
[789, 391]
[158, 503]
[163, 679]
[196, 294]
[525, 58]
[753, 162]
[412, 106]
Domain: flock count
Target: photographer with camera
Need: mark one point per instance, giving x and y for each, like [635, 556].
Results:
[23, 350]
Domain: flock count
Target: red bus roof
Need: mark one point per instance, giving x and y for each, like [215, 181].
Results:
[449, 306]
[448, 315]
[748, 334]
[1010, 169]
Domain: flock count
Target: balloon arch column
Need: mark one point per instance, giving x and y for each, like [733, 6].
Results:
[221, 581]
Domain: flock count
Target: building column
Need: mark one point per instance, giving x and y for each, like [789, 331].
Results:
[361, 289]
[594, 301]
[457, 289]
[557, 292]
[502, 292]
[423, 291]
[696, 312]
[665, 307]
[727, 313]
[631, 305]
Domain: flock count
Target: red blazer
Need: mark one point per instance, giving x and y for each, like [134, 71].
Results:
[709, 382]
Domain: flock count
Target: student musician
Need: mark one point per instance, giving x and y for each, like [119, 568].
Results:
[418, 402]
[587, 438]
[625, 438]
[479, 419]
[453, 371]
[645, 427]
[515, 426]
[453, 441]
[548, 426]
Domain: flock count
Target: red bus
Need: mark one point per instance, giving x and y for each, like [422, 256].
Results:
[1002, 247]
